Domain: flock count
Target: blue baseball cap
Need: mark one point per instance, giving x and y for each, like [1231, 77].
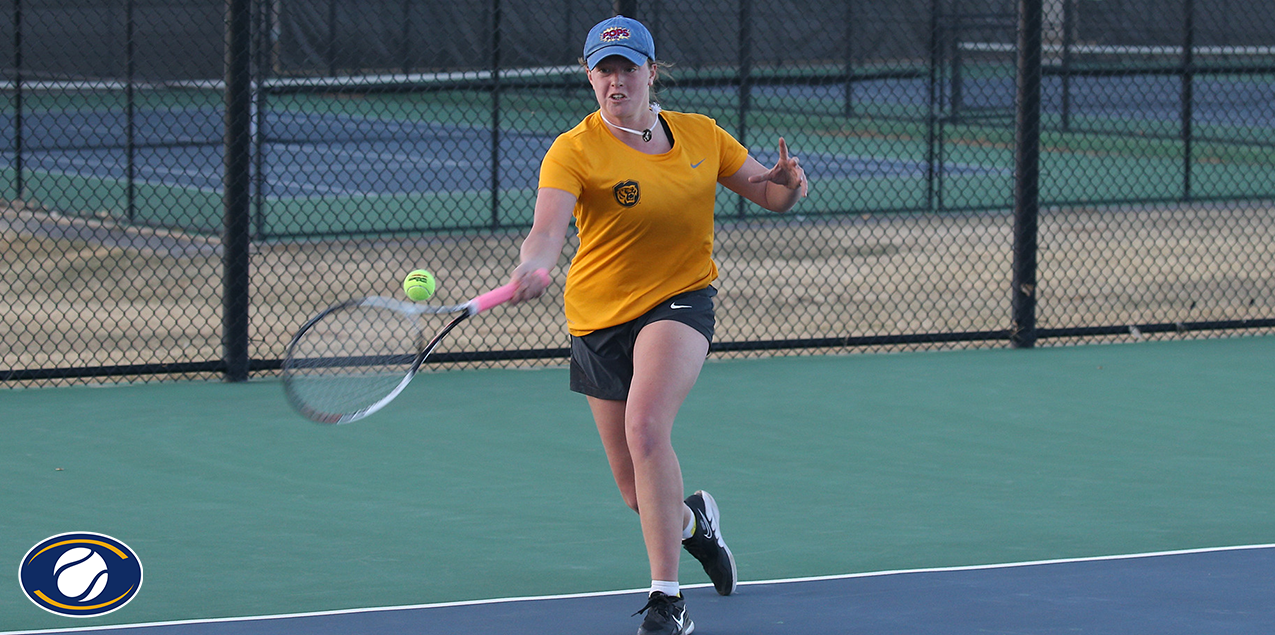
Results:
[619, 36]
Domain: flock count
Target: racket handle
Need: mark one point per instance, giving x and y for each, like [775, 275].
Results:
[499, 295]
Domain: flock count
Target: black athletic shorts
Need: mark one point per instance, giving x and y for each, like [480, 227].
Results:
[602, 361]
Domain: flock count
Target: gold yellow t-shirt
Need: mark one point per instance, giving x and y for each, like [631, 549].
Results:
[645, 221]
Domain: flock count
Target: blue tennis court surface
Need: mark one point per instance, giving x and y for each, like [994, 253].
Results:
[1202, 592]
[313, 154]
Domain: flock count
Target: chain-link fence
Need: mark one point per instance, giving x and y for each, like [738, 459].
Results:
[184, 182]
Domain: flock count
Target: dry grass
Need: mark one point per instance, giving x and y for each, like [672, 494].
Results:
[89, 292]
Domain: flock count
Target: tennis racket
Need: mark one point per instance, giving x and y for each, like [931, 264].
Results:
[356, 356]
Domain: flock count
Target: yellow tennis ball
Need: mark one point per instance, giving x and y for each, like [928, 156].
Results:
[419, 285]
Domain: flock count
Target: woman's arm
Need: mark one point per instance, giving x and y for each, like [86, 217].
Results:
[777, 189]
[543, 245]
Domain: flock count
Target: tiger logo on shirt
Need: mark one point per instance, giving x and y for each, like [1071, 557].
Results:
[627, 193]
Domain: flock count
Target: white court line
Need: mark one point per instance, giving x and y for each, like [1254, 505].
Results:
[569, 596]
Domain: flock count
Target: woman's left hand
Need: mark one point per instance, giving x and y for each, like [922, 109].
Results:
[787, 172]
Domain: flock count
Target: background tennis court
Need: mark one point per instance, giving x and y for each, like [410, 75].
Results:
[368, 157]
[399, 173]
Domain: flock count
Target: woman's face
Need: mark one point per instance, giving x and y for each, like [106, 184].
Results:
[623, 89]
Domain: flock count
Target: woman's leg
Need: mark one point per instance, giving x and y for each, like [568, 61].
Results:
[637, 436]
[609, 416]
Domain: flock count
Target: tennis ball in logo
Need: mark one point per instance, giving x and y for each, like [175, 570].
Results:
[419, 285]
[81, 574]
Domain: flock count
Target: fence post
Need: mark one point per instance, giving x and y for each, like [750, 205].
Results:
[953, 30]
[932, 107]
[495, 113]
[1188, 94]
[406, 34]
[745, 78]
[330, 53]
[130, 105]
[18, 186]
[260, 110]
[1068, 39]
[237, 185]
[848, 51]
[626, 8]
[1026, 174]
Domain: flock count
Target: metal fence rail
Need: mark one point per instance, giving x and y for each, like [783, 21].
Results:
[185, 182]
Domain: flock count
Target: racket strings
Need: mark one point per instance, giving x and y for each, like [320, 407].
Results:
[351, 359]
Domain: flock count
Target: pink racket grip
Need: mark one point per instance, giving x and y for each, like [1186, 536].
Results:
[499, 295]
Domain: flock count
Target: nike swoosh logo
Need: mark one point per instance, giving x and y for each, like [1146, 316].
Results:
[696, 165]
[679, 306]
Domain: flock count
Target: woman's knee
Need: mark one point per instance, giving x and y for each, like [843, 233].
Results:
[648, 438]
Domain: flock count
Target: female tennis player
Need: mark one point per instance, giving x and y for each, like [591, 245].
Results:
[640, 183]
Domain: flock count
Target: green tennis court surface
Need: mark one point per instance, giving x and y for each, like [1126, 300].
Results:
[491, 484]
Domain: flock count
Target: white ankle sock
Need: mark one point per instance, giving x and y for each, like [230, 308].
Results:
[671, 589]
[689, 529]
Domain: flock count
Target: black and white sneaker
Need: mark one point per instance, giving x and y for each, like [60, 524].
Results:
[665, 616]
[707, 546]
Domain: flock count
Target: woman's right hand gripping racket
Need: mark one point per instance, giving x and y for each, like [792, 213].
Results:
[356, 356]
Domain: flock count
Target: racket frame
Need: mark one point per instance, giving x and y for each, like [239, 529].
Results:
[467, 310]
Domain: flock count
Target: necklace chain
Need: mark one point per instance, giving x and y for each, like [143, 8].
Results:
[645, 134]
